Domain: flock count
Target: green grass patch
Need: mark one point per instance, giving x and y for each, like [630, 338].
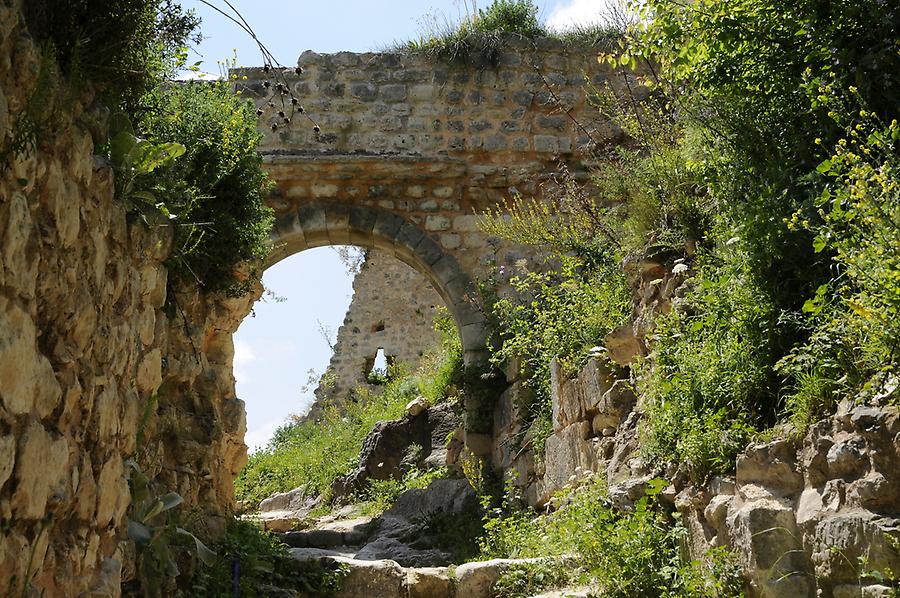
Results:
[620, 554]
[315, 454]
[482, 37]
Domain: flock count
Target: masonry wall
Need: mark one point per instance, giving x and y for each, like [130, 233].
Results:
[93, 354]
[393, 309]
[434, 142]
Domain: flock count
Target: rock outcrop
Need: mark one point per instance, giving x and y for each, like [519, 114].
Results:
[394, 447]
[403, 533]
[806, 516]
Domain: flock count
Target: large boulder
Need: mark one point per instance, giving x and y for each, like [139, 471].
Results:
[405, 533]
[478, 579]
[386, 449]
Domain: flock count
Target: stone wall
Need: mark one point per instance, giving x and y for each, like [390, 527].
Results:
[95, 353]
[81, 330]
[392, 309]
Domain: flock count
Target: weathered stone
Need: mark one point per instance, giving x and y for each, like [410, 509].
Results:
[476, 580]
[402, 534]
[371, 578]
[845, 458]
[567, 454]
[112, 493]
[765, 533]
[17, 358]
[772, 466]
[416, 406]
[622, 345]
[384, 448]
[40, 471]
[7, 457]
[429, 582]
[843, 541]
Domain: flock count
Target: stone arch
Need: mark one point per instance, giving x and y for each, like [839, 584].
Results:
[320, 223]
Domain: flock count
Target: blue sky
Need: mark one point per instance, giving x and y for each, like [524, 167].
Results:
[276, 347]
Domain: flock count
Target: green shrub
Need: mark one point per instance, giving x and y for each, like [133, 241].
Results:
[560, 315]
[518, 17]
[528, 579]
[711, 381]
[621, 554]
[789, 106]
[257, 563]
[215, 192]
[123, 47]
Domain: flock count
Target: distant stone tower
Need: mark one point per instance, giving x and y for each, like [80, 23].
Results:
[392, 310]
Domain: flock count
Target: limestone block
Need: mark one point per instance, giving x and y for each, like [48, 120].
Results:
[416, 406]
[546, 143]
[622, 345]
[568, 452]
[602, 391]
[371, 578]
[476, 580]
[429, 582]
[716, 511]
[765, 537]
[393, 93]
[320, 190]
[57, 193]
[26, 378]
[112, 493]
[468, 223]
[7, 457]
[106, 412]
[19, 266]
[86, 492]
[41, 470]
[149, 374]
[566, 398]
[771, 466]
[846, 458]
[843, 540]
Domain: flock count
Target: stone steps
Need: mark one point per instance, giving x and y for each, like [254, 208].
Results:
[387, 579]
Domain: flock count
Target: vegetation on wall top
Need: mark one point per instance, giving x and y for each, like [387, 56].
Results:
[485, 33]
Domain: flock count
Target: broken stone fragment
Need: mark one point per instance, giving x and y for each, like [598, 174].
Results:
[416, 406]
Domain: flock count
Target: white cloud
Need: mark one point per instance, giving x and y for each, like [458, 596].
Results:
[580, 12]
[243, 356]
[197, 76]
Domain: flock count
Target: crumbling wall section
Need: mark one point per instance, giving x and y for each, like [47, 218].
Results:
[392, 310]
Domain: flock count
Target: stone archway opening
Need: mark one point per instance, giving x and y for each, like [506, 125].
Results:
[391, 317]
[321, 223]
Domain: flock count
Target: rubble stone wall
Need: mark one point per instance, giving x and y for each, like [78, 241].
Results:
[392, 309]
[411, 150]
[95, 367]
